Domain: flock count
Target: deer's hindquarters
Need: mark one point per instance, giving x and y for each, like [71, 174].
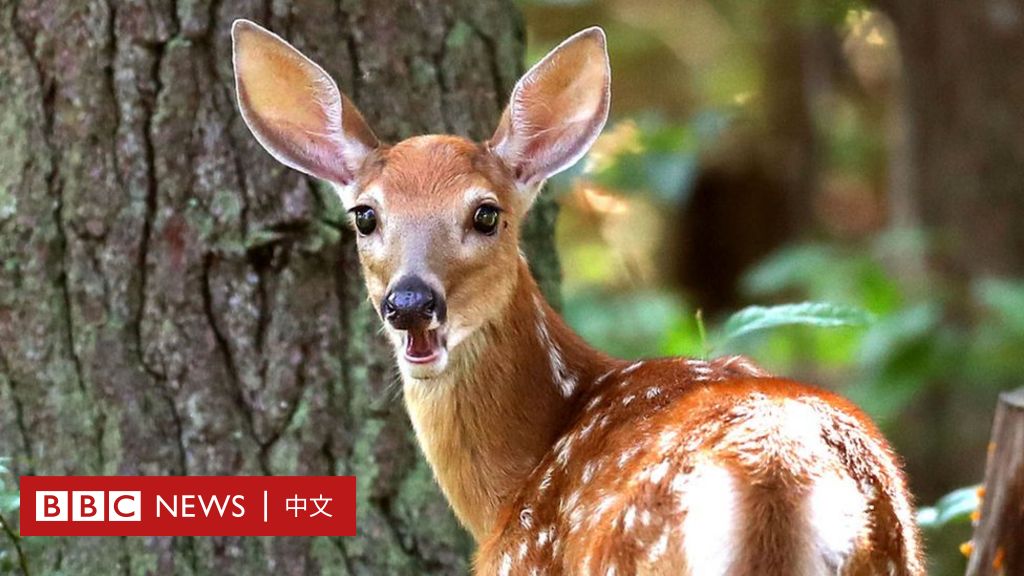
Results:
[748, 477]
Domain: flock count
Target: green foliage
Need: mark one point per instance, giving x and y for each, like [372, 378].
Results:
[844, 275]
[815, 314]
[957, 507]
[631, 325]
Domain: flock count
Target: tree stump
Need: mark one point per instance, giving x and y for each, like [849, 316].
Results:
[999, 536]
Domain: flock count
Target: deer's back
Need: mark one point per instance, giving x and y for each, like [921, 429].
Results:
[685, 467]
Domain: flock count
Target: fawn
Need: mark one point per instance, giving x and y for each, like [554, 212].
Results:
[557, 458]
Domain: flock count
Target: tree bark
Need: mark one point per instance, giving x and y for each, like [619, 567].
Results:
[998, 543]
[172, 301]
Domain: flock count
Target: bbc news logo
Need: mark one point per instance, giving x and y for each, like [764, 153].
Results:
[188, 505]
[88, 506]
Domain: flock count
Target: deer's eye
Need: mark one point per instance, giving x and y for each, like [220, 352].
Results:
[366, 219]
[485, 220]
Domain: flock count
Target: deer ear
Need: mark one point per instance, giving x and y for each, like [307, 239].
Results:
[557, 109]
[295, 109]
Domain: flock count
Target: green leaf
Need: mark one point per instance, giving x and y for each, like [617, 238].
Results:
[953, 508]
[791, 268]
[1005, 299]
[815, 314]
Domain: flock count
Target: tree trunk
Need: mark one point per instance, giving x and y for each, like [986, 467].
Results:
[966, 131]
[173, 301]
[999, 537]
[965, 174]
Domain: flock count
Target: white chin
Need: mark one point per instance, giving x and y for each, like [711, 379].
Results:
[424, 370]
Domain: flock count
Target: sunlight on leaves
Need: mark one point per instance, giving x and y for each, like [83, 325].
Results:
[816, 314]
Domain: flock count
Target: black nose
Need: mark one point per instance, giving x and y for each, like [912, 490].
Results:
[411, 304]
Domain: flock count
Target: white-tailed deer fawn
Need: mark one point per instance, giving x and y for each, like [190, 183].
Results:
[557, 458]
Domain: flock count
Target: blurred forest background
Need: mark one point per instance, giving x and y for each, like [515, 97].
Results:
[174, 302]
[864, 154]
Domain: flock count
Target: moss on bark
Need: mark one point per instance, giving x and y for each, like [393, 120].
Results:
[172, 301]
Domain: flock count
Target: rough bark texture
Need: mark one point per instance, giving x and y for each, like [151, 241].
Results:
[999, 537]
[172, 301]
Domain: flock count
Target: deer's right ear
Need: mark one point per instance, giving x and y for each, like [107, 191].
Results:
[295, 109]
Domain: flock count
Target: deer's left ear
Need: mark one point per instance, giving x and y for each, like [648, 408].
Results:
[295, 109]
[557, 109]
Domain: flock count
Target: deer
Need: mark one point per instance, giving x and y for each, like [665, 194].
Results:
[557, 458]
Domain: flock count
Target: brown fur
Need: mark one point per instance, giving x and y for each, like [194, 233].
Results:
[726, 419]
[558, 459]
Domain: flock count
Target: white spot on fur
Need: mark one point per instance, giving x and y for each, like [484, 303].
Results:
[632, 368]
[661, 546]
[731, 360]
[659, 471]
[523, 547]
[604, 506]
[628, 455]
[679, 484]
[802, 423]
[652, 392]
[568, 505]
[506, 565]
[667, 440]
[594, 402]
[564, 380]
[588, 471]
[837, 519]
[544, 536]
[700, 370]
[526, 518]
[563, 449]
[740, 363]
[629, 517]
[711, 522]
[545, 482]
[576, 518]
[603, 377]
[587, 429]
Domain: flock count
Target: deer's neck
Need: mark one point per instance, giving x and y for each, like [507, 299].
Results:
[509, 391]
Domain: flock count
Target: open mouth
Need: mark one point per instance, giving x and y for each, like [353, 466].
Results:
[422, 346]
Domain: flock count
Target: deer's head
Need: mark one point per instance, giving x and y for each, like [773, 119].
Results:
[437, 217]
